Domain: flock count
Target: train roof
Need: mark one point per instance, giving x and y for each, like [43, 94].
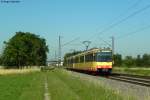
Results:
[93, 50]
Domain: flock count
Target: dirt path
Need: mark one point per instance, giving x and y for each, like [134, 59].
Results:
[46, 94]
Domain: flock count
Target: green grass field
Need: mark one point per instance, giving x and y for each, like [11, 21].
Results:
[133, 70]
[22, 86]
[62, 86]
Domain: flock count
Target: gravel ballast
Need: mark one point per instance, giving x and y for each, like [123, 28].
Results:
[127, 90]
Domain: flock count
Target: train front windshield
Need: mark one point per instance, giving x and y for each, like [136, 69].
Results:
[104, 56]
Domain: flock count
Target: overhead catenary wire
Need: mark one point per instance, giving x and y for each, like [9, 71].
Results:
[115, 24]
[104, 41]
[120, 15]
[126, 18]
[122, 20]
[133, 32]
[112, 24]
[67, 43]
[126, 11]
[61, 46]
[134, 5]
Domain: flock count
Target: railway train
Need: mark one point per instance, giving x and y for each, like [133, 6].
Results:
[93, 60]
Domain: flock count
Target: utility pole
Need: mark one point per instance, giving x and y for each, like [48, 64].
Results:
[55, 56]
[59, 52]
[113, 48]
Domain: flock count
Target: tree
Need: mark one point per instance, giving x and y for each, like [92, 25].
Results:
[0, 60]
[25, 49]
[117, 60]
[138, 61]
[129, 61]
[146, 60]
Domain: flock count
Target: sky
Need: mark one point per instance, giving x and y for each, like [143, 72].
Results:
[80, 20]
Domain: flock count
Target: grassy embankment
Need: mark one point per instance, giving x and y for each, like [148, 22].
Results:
[133, 70]
[62, 86]
[24, 86]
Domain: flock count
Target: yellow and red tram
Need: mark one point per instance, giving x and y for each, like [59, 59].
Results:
[97, 60]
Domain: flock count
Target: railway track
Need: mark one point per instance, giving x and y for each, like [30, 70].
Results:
[135, 79]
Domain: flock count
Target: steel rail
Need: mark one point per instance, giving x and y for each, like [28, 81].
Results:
[135, 79]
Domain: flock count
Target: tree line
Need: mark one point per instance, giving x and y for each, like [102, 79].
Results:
[24, 49]
[129, 61]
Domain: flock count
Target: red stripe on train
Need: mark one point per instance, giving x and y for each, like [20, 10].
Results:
[104, 66]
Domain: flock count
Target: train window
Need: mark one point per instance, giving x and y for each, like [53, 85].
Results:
[71, 61]
[89, 57]
[76, 59]
[67, 61]
[94, 57]
[104, 56]
[81, 59]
